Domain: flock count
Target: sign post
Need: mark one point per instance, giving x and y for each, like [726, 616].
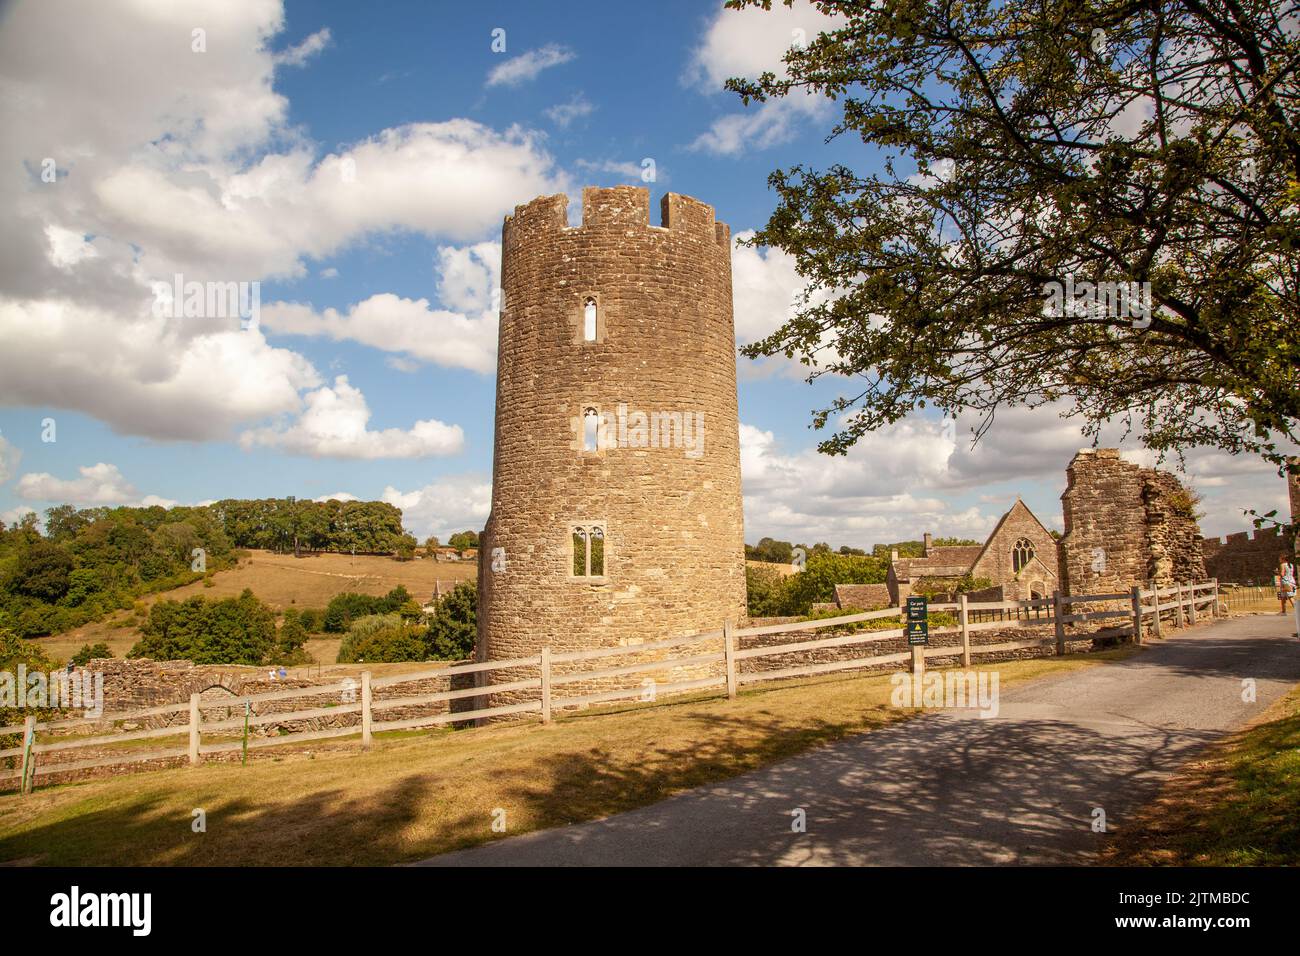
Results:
[918, 621]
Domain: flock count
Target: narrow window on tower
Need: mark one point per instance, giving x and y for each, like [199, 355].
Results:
[589, 319]
[590, 430]
[588, 554]
[579, 552]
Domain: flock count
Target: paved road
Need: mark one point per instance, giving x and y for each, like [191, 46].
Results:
[949, 787]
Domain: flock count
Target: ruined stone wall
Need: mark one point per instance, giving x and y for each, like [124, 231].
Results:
[1125, 525]
[674, 539]
[1243, 558]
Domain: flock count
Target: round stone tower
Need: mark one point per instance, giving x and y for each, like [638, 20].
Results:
[616, 504]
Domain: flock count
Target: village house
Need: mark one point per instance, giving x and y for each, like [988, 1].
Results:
[1019, 558]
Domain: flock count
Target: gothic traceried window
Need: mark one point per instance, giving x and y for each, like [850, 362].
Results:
[590, 429]
[588, 550]
[1021, 554]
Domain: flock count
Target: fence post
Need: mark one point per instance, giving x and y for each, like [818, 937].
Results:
[1155, 623]
[367, 715]
[546, 683]
[1191, 607]
[1137, 613]
[729, 656]
[963, 617]
[918, 661]
[1058, 609]
[194, 729]
[1214, 593]
[28, 778]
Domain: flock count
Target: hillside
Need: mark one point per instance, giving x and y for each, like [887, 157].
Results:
[282, 581]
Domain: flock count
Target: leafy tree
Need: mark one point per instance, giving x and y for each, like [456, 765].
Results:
[1027, 142]
[45, 573]
[463, 540]
[232, 631]
[289, 640]
[454, 626]
[382, 638]
[13, 652]
[91, 652]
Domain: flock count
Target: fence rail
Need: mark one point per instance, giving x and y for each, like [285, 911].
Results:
[1145, 610]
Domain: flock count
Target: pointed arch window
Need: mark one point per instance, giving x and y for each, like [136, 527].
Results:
[588, 554]
[1021, 554]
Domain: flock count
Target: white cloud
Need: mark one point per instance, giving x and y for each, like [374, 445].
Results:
[334, 424]
[746, 43]
[525, 67]
[562, 114]
[99, 484]
[761, 126]
[10, 455]
[445, 506]
[13, 516]
[465, 338]
[171, 161]
[299, 54]
[337, 496]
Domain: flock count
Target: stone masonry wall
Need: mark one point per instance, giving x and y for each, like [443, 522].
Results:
[674, 538]
[1243, 558]
[1125, 526]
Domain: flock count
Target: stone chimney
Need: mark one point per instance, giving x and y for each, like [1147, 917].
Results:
[926, 552]
[893, 554]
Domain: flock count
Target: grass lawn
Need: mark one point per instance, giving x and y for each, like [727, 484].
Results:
[1239, 805]
[413, 796]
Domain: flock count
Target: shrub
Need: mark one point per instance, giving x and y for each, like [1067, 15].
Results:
[345, 608]
[382, 638]
[454, 625]
[233, 631]
[91, 652]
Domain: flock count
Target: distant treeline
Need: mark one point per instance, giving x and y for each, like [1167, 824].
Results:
[291, 524]
[90, 562]
[782, 552]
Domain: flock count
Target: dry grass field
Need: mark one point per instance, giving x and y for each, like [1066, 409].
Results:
[282, 581]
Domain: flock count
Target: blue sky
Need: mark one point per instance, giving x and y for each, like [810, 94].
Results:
[357, 161]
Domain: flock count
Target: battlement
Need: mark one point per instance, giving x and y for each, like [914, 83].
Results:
[618, 208]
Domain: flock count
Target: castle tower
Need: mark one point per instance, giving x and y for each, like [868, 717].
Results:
[616, 503]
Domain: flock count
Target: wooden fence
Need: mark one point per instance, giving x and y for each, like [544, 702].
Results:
[1144, 611]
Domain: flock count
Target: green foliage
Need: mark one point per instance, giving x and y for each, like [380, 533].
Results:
[454, 624]
[929, 587]
[770, 550]
[382, 638]
[289, 640]
[91, 652]
[232, 631]
[345, 608]
[288, 524]
[771, 594]
[13, 652]
[462, 540]
[97, 560]
[1003, 159]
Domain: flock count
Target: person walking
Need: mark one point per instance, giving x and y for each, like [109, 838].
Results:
[1285, 581]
